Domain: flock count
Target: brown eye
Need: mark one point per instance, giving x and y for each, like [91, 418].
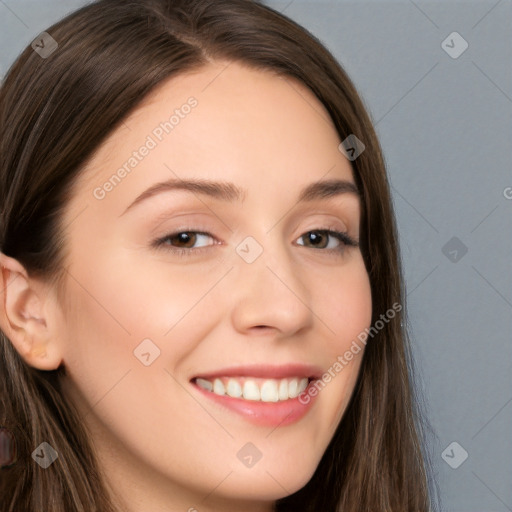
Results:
[184, 242]
[183, 239]
[320, 238]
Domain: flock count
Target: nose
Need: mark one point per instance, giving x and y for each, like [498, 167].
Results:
[270, 295]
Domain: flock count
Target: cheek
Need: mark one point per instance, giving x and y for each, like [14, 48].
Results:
[347, 305]
[124, 319]
[347, 312]
[120, 397]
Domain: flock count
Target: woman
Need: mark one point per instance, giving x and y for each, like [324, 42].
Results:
[265, 369]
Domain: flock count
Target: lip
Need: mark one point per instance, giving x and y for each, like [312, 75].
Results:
[270, 414]
[265, 371]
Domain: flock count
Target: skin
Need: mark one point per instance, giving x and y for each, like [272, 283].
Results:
[164, 447]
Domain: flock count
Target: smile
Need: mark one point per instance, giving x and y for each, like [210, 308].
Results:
[261, 394]
[263, 390]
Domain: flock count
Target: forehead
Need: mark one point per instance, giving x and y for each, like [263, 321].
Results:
[223, 121]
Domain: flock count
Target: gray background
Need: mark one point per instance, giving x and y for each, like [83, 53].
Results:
[445, 125]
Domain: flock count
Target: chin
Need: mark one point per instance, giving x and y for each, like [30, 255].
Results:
[267, 483]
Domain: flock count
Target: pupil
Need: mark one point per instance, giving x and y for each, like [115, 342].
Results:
[184, 238]
[315, 238]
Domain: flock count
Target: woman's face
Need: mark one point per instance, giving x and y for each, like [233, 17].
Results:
[220, 274]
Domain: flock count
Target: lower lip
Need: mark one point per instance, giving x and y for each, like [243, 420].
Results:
[270, 414]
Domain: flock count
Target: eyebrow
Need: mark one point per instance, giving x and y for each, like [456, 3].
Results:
[227, 191]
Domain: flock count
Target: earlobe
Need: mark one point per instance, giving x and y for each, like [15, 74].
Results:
[23, 316]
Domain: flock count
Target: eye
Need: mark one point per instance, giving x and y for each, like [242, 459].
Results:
[321, 238]
[183, 243]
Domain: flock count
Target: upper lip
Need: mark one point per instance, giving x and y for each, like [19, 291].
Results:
[265, 371]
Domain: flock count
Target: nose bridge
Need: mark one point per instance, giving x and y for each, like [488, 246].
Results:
[269, 291]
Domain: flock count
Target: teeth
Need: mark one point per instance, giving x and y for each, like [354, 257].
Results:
[234, 389]
[205, 384]
[269, 392]
[218, 387]
[303, 384]
[264, 390]
[251, 390]
[283, 389]
[293, 388]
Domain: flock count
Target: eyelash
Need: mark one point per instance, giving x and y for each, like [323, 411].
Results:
[343, 237]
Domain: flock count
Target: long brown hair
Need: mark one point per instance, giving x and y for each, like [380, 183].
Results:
[56, 111]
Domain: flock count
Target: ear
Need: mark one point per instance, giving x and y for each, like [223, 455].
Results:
[27, 313]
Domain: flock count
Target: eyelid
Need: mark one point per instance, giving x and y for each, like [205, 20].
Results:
[342, 236]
